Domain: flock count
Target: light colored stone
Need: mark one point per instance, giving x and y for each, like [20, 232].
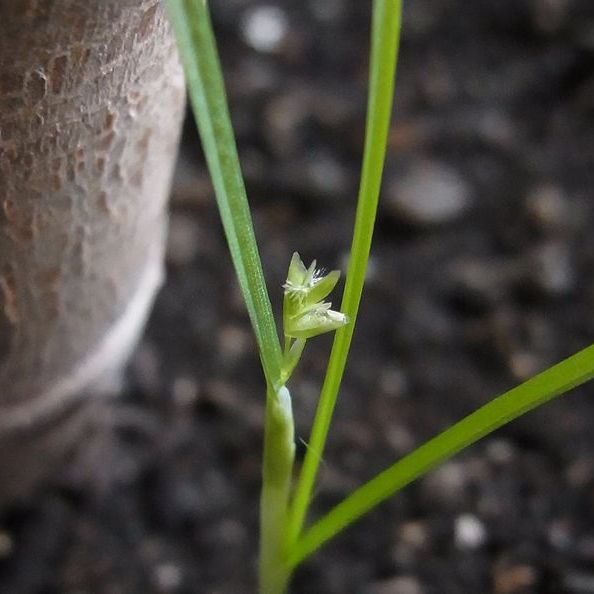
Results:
[428, 193]
[264, 28]
[469, 532]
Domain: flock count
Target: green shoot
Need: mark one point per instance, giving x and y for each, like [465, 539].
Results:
[304, 315]
[277, 474]
[385, 36]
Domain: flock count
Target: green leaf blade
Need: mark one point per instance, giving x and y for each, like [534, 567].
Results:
[197, 47]
[553, 382]
[385, 40]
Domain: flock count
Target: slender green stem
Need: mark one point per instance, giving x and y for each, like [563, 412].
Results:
[536, 391]
[291, 357]
[384, 51]
[197, 48]
[277, 471]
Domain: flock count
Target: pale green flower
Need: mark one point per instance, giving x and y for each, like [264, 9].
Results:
[305, 314]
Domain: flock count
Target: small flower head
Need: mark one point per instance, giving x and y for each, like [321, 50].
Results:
[305, 314]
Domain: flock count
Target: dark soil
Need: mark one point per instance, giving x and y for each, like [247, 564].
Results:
[481, 275]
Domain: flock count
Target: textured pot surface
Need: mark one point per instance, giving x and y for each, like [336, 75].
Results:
[91, 103]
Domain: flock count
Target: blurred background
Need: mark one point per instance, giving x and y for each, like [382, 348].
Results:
[480, 276]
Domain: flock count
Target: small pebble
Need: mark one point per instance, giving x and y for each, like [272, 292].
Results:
[233, 342]
[254, 78]
[264, 28]
[552, 269]
[585, 549]
[328, 11]
[168, 576]
[476, 283]
[421, 18]
[514, 580]
[496, 127]
[550, 15]
[469, 532]
[231, 532]
[327, 174]
[424, 321]
[500, 451]
[547, 207]
[524, 364]
[285, 115]
[400, 439]
[397, 585]
[393, 382]
[580, 472]
[446, 485]
[559, 535]
[579, 583]
[414, 535]
[185, 391]
[182, 498]
[429, 193]
[6, 544]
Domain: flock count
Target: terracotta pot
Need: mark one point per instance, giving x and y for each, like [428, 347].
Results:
[91, 105]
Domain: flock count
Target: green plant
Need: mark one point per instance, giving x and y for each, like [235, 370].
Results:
[285, 541]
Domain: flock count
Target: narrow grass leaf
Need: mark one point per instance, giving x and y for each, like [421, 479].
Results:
[385, 37]
[197, 48]
[553, 382]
